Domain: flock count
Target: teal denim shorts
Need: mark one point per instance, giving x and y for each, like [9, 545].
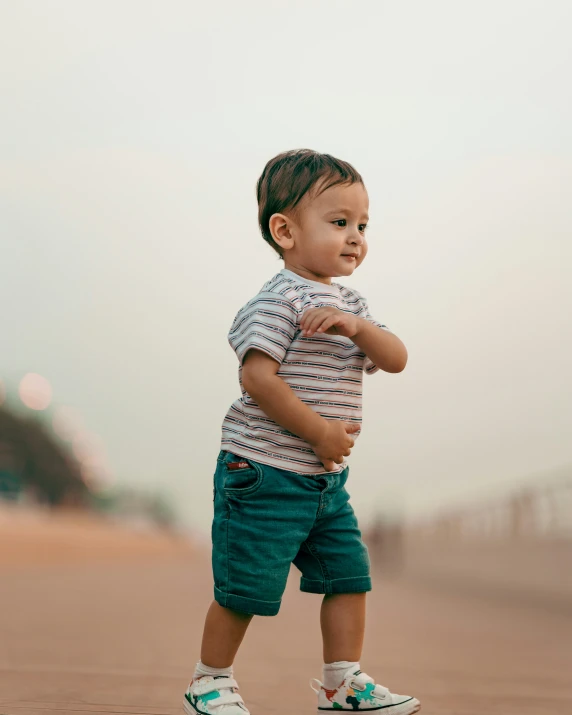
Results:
[265, 519]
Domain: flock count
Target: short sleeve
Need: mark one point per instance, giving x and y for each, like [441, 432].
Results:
[370, 367]
[267, 323]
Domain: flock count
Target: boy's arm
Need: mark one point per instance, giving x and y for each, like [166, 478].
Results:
[382, 347]
[278, 400]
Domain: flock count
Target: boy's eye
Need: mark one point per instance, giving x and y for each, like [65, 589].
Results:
[342, 223]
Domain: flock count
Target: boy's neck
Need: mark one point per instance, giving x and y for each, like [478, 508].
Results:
[318, 284]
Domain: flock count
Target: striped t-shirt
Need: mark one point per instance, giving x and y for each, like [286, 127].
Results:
[325, 371]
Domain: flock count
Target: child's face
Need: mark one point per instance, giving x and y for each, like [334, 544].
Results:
[328, 233]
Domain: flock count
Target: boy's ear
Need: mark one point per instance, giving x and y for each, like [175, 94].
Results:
[280, 228]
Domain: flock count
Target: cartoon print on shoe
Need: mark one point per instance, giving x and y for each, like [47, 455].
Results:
[359, 691]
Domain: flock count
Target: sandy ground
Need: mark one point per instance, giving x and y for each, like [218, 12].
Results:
[95, 618]
[30, 537]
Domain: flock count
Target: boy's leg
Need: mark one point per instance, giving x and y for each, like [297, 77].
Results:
[223, 633]
[261, 516]
[334, 561]
[212, 688]
[342, 619]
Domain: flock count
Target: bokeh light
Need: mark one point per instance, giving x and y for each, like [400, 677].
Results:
[35, 391]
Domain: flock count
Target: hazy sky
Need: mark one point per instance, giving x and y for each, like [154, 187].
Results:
[131, 138]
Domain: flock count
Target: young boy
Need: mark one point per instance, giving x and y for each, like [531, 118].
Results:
[303, 343]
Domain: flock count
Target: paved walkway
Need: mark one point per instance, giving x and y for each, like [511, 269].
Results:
[119, 632]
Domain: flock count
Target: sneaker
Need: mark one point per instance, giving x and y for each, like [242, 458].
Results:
[359, 692]
[214, 695]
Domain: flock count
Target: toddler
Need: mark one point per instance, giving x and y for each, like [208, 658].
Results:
[303, 343]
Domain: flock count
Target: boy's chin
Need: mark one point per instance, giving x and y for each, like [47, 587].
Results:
[347, 270]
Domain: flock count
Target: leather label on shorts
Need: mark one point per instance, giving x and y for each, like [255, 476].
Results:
[238, 465]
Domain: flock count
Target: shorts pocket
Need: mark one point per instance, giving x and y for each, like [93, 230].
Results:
[239, 480]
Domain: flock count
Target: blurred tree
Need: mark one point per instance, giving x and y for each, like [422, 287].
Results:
[32, 461]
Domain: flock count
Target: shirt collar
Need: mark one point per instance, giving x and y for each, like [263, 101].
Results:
[332, 288]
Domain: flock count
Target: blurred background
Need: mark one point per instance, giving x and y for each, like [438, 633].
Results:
[132, 135]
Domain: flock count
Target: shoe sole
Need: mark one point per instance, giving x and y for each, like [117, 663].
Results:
[409, 707]
[189, 709]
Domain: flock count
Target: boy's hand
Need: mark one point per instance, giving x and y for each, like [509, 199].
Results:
[329, 320]
[334, 443]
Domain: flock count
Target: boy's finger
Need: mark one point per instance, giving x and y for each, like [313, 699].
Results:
[326, 323]
[307, 315]
[352, 428]
[314, 323]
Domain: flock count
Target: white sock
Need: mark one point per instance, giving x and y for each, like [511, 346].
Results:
[334, 673]
[202, 669]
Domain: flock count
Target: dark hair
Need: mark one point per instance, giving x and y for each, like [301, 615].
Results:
[288, 177]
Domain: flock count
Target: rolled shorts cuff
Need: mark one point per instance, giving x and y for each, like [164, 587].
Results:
[246, 605]
[354, 584]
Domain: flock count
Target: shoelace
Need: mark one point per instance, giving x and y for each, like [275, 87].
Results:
[226, 698]
[363, 679]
